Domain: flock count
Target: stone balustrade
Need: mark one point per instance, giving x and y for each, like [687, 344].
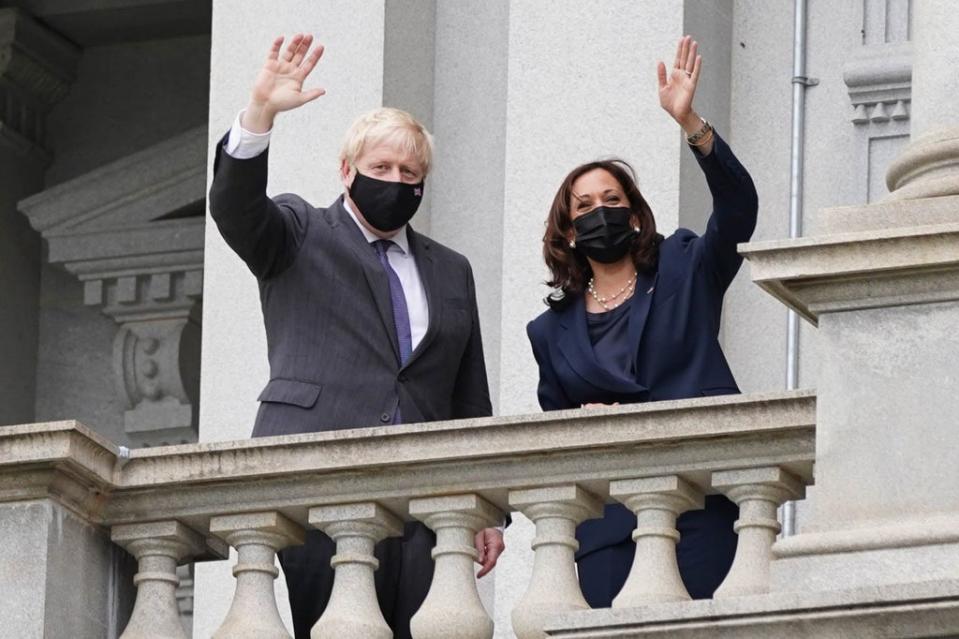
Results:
[176, 504]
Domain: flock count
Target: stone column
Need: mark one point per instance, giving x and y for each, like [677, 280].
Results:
[37, 67]
[353, 611]
[256, 537]
[452, 609]
[882, 285]
[657, 502]
[553, 587]
[929, 167]
[758, 492]
[158, 547]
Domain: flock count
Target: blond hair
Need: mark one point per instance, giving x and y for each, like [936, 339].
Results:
[390, 126]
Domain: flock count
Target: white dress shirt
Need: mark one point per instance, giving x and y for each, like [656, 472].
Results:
[243, 145]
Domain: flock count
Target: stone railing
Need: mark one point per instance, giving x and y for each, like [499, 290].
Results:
[171, 505]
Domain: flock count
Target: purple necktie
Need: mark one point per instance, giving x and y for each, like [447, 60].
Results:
[401, 314]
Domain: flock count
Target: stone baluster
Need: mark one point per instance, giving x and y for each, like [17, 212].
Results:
[452, 609]
[657, 502]
[353, 611]
[158, 547]
[758, 492]
[553, 587]
[256, 537]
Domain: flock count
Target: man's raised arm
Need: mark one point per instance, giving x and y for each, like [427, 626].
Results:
[264, 234]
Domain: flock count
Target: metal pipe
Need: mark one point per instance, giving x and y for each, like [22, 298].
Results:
[800, 83]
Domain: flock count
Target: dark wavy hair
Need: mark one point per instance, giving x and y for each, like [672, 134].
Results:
[569, 269]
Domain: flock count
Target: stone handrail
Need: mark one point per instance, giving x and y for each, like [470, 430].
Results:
[186, 503]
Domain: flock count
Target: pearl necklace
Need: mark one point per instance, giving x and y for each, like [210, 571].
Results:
[602, 301]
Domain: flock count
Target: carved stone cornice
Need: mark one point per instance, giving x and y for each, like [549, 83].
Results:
[132, 232]
[37, 67]
[879, 79]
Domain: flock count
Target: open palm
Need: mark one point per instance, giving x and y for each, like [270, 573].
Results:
[676, 90]
[279, 85]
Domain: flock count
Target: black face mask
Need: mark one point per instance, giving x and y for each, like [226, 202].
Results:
[386, 205]
[604, 234]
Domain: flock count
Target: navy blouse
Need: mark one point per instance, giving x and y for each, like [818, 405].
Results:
[608, 333]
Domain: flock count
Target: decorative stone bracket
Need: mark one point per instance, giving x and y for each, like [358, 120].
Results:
[132, 232]
[37, 67]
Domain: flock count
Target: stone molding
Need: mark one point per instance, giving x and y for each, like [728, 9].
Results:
[928, 609]
[879, 80]
[931, 531]
[194, 482]
[859, 270]
[133, 232]
[37, 67]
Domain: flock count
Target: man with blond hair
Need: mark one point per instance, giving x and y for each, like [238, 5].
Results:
[368, 322]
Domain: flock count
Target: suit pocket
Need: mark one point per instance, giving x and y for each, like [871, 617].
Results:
[289, 391]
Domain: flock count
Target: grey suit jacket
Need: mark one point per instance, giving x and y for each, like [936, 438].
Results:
[334, 358]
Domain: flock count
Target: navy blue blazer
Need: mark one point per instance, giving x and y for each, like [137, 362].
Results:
[674, 320]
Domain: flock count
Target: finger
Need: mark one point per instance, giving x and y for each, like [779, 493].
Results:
[291, 48]
[684, 53]
[691, 57]
[480, 542]
[696, 67]
[494, 548]
[312, 94]
[679, 50]
[661, 74]
[310, 61]
[301, 50]
[275, 49]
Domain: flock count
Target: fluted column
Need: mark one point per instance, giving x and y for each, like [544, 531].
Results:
[553, 586]
[158, 547]
[256, 537]
[452, 609]
[758, 492]
[353, 611]
[657, 502]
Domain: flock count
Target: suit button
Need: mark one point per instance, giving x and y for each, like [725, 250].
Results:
[385, 417]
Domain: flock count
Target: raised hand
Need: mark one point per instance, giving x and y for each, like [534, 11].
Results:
[279, 85]
[676, 90]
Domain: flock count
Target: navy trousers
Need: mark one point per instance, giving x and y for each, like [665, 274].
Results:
[705, 552]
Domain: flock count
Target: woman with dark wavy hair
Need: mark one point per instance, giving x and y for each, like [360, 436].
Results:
[635, 317]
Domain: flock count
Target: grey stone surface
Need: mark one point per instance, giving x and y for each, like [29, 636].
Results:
[929, 609]
[75, 377]
[61, 576]
[759, 52]
[128, 97]
[36, 68]
[469, 126]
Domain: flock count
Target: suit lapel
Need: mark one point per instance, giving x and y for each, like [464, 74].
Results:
[578, 350]
[376, 279]
[420, 247]
[639, 307]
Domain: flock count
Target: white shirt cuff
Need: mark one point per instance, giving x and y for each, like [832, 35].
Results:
[242, 144]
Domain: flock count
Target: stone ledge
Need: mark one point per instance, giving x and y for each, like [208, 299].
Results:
[908, 610]
[864, 269]
[391, 465]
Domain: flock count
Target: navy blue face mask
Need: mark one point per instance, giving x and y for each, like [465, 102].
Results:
[604, 234]
[386, 205]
